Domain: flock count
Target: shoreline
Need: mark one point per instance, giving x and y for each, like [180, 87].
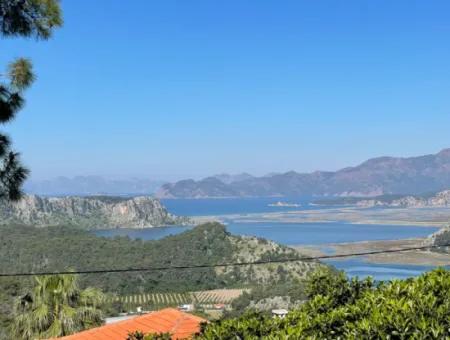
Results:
[410, 257]
[419, 217]
[220, 218]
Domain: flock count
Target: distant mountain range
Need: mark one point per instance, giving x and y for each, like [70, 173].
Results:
[228, 179]
[374, 177]
[92, 185]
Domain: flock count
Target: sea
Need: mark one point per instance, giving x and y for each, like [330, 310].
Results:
[293, 234]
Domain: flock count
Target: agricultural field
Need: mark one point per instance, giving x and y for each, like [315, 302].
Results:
[224, 296]
[152, 301]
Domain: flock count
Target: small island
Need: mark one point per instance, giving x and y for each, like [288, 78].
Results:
[284, 204]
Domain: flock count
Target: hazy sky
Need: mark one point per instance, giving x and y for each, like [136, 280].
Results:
[171, 89]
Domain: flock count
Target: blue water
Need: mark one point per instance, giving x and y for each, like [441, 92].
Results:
[381, 272]
[311, 233]
[321, 233]
[222, 206]
[290, 233]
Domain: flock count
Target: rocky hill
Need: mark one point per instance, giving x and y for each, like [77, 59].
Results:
[438, 200]
[378, 176]
[99, 212]
[441, 238]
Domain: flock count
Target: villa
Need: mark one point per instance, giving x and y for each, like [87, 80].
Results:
[179, 324]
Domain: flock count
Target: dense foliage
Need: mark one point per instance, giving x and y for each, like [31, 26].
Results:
[417, 308]
[27, 18]
[266, 297]
[138, 335]
[56, 307]
[59, 248]
[26, 249]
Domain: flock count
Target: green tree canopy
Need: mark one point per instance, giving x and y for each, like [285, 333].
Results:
[26, 18]
[416, 308]
[56, 307]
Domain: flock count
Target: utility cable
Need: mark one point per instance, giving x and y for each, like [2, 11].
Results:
[221, 265]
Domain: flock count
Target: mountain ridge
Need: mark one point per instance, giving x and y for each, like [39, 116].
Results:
[95, 212]
[374, 177]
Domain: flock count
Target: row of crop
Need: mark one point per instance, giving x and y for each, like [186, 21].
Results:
[152, 300]
[157, 298]
[217, 296]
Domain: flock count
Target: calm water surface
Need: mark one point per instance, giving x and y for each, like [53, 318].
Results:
[312, 233]
[381, 272]
[290, 233]
[207, 206]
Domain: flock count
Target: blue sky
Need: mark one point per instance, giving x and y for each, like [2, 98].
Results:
[174, 89]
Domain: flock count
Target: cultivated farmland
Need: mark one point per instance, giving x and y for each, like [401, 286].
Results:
[153, 301]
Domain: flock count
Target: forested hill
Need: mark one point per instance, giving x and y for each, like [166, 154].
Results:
[28, 249]
[377, 176]
[58, 248]
[89, 212]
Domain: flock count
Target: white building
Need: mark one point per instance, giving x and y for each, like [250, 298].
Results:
[279, 313]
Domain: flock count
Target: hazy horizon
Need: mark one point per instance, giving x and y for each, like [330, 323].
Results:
[198, 177]
[176, 90]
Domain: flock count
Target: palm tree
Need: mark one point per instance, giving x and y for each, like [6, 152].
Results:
[56, 307]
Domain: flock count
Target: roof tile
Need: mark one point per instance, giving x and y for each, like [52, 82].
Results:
[181, 325]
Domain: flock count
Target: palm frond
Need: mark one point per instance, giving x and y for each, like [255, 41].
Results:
[57, 307]
[12, 176]
[5, 143]
[10, 103]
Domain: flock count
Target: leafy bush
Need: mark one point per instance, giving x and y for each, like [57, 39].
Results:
[293, 292]
[138, 335]
[417, 308]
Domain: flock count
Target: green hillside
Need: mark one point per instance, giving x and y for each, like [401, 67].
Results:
[29, 249]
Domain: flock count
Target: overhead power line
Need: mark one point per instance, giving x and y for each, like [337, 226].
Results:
[221, 265]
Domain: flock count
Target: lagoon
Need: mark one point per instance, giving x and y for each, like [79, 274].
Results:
[224, 206]
[312, 234]
[292, 233]
[307, 233]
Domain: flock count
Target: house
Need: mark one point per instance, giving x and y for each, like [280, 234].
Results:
[186, 308]
[179, 324]
[279, 313]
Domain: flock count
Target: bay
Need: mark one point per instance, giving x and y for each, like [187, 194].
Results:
[312, 234]
[291, 233]
[357, 267]
[223, 206]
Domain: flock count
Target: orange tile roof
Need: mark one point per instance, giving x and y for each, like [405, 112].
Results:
[179, 324]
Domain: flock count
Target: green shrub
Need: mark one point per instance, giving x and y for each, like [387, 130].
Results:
[417, 308]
